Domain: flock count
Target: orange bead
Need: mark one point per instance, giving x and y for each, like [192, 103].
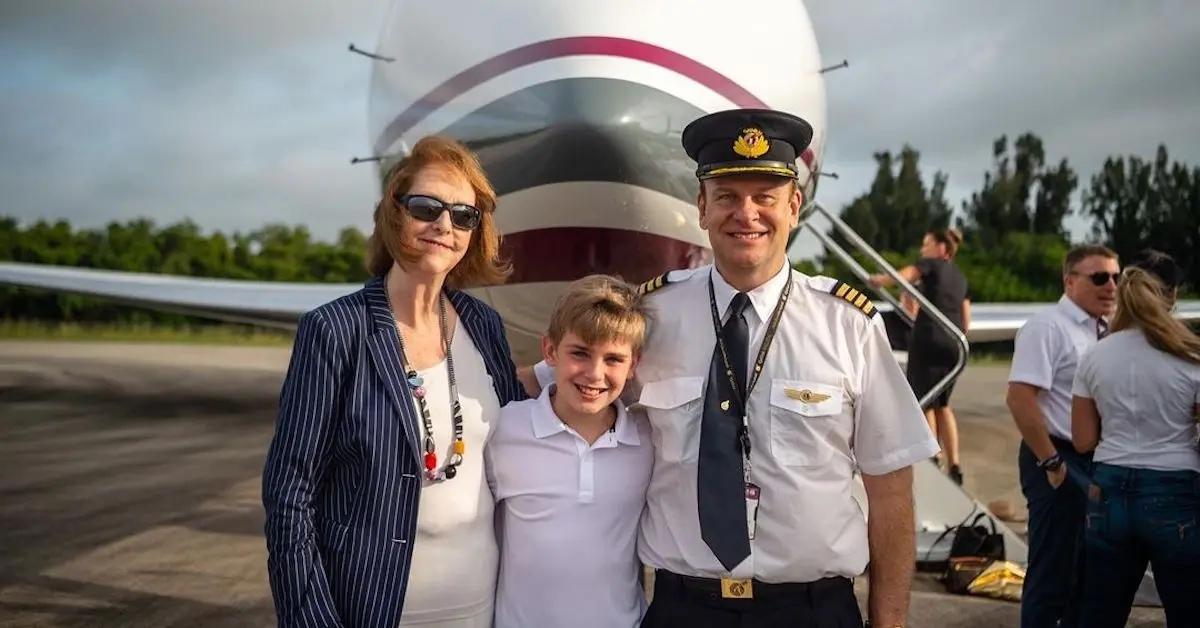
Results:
[460, 447]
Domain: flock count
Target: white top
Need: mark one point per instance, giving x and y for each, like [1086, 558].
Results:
[804, 455]
[452, 581]
[568, 518]
[1046, 354]
[1146, 399]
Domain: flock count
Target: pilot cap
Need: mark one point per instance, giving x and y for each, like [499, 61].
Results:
[741, 141]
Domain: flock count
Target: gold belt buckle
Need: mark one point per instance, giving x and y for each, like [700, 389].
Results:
[737, 589]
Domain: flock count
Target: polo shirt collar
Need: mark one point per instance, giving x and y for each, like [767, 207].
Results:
[762, 298]
[546, 423]
[1072, 311]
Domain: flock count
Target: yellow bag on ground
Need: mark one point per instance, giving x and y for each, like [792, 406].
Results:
[1002, 579]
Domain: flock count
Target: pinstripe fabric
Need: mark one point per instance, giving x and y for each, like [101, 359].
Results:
[341, 485]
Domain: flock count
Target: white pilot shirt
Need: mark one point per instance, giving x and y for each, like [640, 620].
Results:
[804, 455]
[1046, 353]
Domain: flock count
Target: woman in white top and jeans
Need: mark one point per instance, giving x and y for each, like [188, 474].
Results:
[1137, 394]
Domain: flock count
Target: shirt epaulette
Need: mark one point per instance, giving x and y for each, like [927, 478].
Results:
[845, 292]
[664, 279]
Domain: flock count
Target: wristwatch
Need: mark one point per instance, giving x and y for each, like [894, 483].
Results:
[1053, 463]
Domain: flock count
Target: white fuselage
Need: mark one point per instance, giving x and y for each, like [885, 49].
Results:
[575, 109]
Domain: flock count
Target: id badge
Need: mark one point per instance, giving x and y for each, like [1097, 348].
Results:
[752, 494]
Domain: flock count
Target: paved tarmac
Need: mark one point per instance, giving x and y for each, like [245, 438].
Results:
[129, 486]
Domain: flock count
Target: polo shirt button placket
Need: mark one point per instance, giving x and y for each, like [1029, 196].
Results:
[586, 472]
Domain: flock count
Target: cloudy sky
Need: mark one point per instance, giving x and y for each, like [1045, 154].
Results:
[235, 114]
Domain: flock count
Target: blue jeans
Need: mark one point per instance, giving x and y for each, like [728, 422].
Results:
[1141, 516]
[1052, 590]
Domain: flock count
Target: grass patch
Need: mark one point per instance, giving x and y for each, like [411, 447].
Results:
[220, 334]
[989, 359]
[992, 353]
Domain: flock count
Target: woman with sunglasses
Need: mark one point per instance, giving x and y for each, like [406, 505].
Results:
[932, 353]
[378, 512]
[1136, 402]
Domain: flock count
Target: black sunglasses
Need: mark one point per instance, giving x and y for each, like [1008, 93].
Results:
[1101, 278]
[428, 209]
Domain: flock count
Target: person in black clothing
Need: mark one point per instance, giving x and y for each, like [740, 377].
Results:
[933, 352]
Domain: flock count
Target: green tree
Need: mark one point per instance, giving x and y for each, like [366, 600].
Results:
[898, 210]
[1019, 195]
[275, 253]
[1135, 204]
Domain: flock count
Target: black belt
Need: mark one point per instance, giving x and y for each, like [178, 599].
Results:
[711, 587]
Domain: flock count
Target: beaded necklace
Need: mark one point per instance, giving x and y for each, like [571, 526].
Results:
[416, 385]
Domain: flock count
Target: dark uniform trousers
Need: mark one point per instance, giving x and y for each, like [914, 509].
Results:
[686, 602]
[1054, 578]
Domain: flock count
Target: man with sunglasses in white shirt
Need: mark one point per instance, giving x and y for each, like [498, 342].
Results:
[1045, 356]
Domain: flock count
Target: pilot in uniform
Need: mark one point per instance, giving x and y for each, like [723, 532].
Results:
[749, 518]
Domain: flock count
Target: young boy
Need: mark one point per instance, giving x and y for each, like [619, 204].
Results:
[569, 471]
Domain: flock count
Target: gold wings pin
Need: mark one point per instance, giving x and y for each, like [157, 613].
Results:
[806, 395]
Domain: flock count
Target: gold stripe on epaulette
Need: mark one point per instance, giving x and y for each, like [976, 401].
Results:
[843, 291]
[653, 284]
[719, 172]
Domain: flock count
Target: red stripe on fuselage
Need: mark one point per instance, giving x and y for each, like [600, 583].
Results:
[568, 253]
[566, 47]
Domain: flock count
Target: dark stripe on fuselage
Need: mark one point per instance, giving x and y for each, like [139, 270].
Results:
[587, 129]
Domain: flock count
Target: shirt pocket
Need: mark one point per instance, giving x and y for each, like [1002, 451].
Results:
[674, 407]
[804, 417]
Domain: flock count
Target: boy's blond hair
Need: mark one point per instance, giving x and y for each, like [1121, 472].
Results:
[600, 308]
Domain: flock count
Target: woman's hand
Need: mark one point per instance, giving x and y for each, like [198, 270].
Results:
[529, 381]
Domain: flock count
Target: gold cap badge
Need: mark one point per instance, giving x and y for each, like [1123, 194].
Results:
[751, 143]
[806, 395]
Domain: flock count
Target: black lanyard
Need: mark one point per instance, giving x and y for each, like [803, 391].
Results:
[743, 399]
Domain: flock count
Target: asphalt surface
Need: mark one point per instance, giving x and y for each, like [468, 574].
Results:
[129, 486]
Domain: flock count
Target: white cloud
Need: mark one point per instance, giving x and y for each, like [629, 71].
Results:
[231, 114]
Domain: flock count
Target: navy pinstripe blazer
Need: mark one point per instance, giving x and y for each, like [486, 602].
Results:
[341, 483]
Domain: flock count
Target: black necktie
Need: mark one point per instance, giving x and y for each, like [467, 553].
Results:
[720, 486]
[1101, 328]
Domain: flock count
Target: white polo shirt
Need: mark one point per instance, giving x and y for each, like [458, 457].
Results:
[1046, 354]
[1146, 399]
[804, 454]
[567, 518]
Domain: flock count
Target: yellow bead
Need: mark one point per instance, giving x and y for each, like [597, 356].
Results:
[460, 447]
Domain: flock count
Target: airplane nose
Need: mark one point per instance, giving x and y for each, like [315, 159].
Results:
[591, 178]
[583, 129]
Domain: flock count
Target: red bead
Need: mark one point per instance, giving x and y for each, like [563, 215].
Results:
[430, 461]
